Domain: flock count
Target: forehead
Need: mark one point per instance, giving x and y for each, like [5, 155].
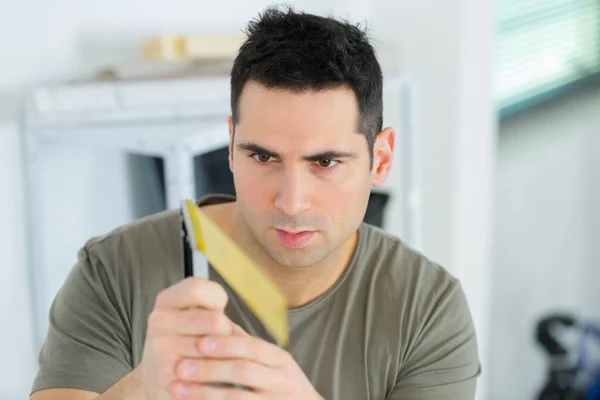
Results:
[308, 119]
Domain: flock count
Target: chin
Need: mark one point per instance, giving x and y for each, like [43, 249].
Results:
[296, 258]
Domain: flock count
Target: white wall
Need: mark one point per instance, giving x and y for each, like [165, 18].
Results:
[445, 47]
[446, 50]
[15, 346]
[546, 254]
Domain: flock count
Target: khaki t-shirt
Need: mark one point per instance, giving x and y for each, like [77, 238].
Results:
[395, 326]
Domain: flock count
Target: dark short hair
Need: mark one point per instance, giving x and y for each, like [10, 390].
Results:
[297, 51]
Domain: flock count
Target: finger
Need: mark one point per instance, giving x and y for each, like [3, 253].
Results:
[179, 346]
[244, 347]
[239, 331]
[187, 346]
[240, 372]
[194, 321]
[193, 292]
[187, 390]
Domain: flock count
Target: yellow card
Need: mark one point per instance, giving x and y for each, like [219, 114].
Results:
[248, 280]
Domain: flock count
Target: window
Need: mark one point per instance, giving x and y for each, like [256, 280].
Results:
[544, 47]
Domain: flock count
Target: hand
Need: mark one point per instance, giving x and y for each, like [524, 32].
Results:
[182, 315]
[269, 371]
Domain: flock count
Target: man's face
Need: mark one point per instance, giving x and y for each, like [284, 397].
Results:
[302, 173]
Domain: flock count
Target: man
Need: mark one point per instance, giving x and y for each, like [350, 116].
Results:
[369, 317]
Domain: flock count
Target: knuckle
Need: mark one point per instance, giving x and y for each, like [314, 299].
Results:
[188, 368]
[161, 344]
[238, 395]
[221, 295]
[199, 392]
[194, 284]
[244, 370]
[162, 297]
[166, 369]
[211, 292]
[157, 320]
[218, 323]
[287, 385]
[255, 349]
[197, 344]
[196, 292]
[288, 358]
[198, 285]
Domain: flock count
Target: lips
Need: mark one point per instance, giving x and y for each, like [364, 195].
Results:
[294, 240]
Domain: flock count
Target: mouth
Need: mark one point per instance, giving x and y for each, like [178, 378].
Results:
[294, 239]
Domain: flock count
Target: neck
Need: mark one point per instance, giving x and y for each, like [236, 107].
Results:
[301, 285]
[304, 285]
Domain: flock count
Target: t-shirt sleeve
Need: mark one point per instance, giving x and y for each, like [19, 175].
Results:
[443, 362]
[88, 343]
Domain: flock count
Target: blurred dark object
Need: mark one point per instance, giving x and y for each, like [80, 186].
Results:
[544, 333]
[570, 376]
[375, 214]
[213, 174]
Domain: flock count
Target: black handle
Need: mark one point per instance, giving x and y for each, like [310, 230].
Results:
[186, 250]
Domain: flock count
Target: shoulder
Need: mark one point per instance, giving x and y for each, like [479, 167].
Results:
[151, 237]
[402, 270]
[423, 306]
[137, 259]
[412, 290]
[143, 238]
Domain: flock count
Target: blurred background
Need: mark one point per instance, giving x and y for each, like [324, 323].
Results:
[497, 107]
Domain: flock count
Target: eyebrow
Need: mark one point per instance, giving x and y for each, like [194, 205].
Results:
[323, 155]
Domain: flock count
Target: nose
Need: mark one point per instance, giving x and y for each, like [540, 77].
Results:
[293, 197]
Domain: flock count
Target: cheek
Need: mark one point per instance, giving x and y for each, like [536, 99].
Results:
[252, 189]
[346, 198]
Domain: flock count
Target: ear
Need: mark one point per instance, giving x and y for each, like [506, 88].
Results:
[383, 155]
[231, 136]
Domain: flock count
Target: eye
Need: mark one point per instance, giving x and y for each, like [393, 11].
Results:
[326, 163]
[262, 157]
